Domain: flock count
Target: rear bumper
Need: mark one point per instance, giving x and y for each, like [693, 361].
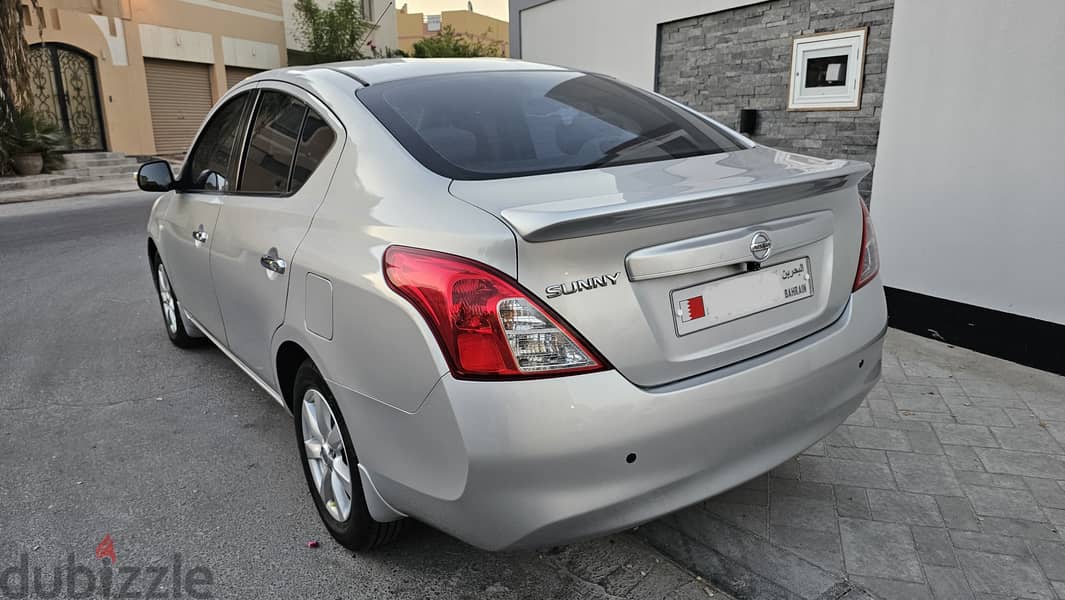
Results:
[534, 463]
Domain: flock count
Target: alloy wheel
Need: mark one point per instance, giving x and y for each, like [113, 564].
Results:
[166, 298]
[326, 455]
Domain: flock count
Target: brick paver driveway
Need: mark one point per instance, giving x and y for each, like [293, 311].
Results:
[949, 482]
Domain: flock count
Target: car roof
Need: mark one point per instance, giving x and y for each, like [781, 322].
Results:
[370, 72]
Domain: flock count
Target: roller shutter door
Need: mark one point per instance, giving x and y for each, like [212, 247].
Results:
[179, 95]
[235, 75]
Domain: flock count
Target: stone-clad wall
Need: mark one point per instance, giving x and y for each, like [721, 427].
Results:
[721, 62]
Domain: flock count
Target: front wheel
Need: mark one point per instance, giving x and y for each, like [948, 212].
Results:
[331, 467]
[168, 302]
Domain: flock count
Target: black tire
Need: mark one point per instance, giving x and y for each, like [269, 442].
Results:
[359, 532]
[177, 333]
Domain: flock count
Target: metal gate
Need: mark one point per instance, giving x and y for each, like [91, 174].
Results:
[63, 84]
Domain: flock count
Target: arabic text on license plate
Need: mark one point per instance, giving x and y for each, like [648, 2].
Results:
[724, 300]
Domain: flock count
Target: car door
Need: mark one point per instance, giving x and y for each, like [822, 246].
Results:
[286, 167]
[190, 218]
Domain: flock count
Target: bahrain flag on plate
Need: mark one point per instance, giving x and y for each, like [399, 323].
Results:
[692, 309]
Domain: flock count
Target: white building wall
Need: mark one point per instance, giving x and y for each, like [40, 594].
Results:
[293, 40]
[969, 199]
[387, 34]
[613, 37]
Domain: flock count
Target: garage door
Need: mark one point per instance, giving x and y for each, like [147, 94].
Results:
[235, 75]
[179, 95]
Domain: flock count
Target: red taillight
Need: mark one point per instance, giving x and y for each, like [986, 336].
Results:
[869, 260]
[487, 326]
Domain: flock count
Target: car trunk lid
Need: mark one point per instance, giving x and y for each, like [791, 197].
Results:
[658, 264]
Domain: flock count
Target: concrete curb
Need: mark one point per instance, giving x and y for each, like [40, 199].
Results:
[104, 186]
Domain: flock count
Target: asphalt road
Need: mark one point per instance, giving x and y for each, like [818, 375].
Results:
[108, 429]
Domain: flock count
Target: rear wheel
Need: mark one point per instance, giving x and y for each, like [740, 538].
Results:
[331, 467]
[168, 302]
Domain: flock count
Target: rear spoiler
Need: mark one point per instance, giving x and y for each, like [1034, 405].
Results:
[592, 216]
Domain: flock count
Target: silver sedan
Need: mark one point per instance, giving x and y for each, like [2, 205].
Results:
[521, 303]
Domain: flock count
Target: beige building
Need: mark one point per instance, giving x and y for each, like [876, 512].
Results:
[138, 76]
[412, 27]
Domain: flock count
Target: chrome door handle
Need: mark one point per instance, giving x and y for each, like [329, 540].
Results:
[273, 263]
[200, 236]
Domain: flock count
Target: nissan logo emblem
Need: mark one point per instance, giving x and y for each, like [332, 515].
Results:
[761, 246]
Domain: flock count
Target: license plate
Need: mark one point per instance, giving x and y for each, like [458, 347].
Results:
[708, 304]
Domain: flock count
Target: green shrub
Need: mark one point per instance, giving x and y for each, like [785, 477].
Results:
[448, 44]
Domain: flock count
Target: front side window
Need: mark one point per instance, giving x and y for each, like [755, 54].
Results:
[507, 124]
[213, 161]
[272, 142]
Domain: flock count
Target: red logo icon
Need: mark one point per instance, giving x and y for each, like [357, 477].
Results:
[106, 548]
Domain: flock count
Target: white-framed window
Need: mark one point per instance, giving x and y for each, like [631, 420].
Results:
[826, 71]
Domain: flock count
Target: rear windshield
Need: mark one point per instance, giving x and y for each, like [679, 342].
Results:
[506, 124]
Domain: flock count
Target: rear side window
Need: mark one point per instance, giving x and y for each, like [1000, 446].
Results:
[315, 141]
[507, 124]
[213, 161]
[272, 143]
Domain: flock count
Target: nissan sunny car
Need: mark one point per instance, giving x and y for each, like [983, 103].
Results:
[521, 303]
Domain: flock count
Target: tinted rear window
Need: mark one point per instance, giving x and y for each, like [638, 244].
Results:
[508, 124]
[315, 141]
[272, 143]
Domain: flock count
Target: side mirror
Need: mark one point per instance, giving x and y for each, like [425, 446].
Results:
[155, 176]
